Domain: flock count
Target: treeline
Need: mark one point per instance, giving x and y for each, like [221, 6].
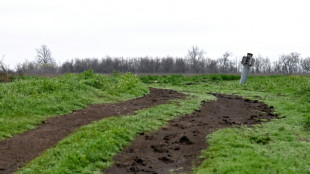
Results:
[286, 64]
[194, 62]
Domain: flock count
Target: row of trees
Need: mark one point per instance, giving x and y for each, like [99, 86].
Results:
[194, 62]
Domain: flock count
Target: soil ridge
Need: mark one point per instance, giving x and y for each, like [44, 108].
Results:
[176, 147]
[15, 152]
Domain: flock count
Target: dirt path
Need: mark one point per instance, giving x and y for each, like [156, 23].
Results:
[20, 149]
[177, 146]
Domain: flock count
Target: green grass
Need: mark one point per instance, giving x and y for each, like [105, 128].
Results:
[177, 79]
[92, 147]
[27, 101]
[279, 146]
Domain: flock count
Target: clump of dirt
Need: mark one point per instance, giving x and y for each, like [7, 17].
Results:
[176, 147]
[20, 149]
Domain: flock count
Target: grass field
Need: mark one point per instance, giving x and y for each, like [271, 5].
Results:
[278, 146]
[239, 150]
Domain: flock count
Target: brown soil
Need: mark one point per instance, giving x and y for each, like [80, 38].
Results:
[20, 149]
[177, 146]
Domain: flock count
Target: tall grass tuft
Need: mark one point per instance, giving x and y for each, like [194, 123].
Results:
[307, 123]
[178, 79]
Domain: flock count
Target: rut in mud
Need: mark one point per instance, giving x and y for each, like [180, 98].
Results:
[20, 149]
[176, 147]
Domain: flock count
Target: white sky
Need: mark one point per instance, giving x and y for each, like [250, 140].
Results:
[130, 28]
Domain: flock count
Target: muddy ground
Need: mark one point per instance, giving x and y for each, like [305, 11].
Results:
[15, 152]
[176, 147]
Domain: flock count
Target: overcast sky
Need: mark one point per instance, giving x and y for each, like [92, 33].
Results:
[96, 28]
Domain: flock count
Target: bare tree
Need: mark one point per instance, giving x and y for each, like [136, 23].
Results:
[262, 65]
[195, 56]
[44, 56]
[45, 61]
[167, 65]
[277, 67]
[29, 68]
[258, 64]
[3, 67]
[305, 64]
[67, 67]
[180, 65]
[224, 62]
[266, 65]
[290, 62]
[4, 71]
[211, 66]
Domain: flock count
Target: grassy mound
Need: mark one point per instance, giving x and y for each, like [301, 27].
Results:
[27, 101]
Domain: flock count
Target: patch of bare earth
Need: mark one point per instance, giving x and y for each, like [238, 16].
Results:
[15, 152]
[176, 147]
